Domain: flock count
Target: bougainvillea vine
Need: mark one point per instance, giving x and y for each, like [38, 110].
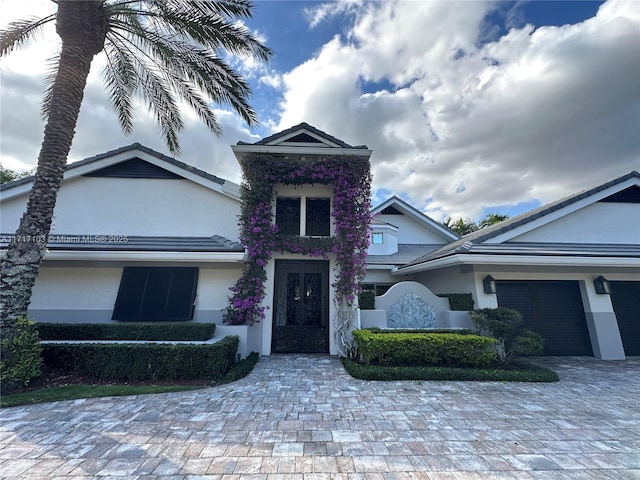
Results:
[351, 212]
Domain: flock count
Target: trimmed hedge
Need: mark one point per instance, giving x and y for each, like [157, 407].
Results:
[459, 301]
[459, 331]
[450, 349]
[520, 372]
[177, 331]
[241, 369]
[135, 362]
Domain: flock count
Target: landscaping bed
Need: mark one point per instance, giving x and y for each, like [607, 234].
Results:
[514, 372]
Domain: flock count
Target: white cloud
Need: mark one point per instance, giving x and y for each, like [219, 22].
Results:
[533, 115]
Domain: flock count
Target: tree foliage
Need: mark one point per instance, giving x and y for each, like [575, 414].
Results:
[465, 226]
[165, 51]
[505, 325]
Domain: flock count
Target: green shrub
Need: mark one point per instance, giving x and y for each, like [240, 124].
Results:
[423, 348]
[241, 369]
[149, 361]
[505, 325]
[459, 301]
[528, 342]
[458, 331]
[518, 372]
[367, 300]
[21, 355]
[178, 331]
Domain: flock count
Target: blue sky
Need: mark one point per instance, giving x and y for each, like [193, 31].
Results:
[470, 106]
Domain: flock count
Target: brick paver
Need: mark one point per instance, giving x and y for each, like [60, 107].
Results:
[301, 417]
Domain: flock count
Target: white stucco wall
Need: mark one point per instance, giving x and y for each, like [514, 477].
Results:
[389, 244]
[134, 206]
[597, 223]
[88, 294]
[410, 231]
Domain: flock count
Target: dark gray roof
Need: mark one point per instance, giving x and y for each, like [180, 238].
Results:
[467, 243]
[110, 153]
[300, 126]
[405, 253]
[556, 248]
[112, 243]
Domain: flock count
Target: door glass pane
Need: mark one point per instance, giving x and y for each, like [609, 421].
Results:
[294, 300]
[313, 298]
[318, 219]
[288, 216]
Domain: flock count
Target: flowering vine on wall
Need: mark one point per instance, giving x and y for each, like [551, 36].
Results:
[351, 212]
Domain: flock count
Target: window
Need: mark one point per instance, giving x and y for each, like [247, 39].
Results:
[315, 211]
[318, 217]
[288, 215]
[156, 293]
[376, 238]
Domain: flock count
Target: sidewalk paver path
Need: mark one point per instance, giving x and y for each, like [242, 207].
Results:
[302, 417]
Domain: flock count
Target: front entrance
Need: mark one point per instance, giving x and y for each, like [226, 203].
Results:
[301, 307]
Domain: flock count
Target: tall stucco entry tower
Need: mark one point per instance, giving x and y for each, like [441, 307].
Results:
[305, 224]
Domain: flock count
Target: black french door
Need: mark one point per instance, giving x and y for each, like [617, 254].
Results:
[301, 307]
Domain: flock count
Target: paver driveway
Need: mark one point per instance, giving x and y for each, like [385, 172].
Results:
[302, 417]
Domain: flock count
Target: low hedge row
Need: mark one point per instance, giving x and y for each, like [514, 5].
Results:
[519, 372]
[178, 331]
[136, 362]
[448, 349]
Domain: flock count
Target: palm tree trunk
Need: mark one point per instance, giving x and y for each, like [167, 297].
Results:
[82, 27]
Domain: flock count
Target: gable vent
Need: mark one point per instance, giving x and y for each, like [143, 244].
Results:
[302, 138]
[134, 168]
[628, 195]
[391, 211]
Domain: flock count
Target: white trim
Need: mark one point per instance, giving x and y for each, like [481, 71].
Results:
[142, 256]
[284, 139]
[228, 189]
[357, 152]
[562, 212]
[519, 260]
[420, 217]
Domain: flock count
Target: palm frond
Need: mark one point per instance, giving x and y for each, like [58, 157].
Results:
[121, 80]
[19, 32]
[186, 63]
[49, 79]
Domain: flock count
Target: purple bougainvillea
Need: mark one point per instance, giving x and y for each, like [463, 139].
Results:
[351, 180]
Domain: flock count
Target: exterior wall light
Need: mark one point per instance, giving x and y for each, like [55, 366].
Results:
[602, 285]
[489, 284]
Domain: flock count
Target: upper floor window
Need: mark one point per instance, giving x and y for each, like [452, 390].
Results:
[316, 212]
[288, 215]
[376, 238]
[318, 217]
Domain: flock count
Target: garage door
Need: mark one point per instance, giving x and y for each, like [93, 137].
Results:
[551, 308]
[625, 297]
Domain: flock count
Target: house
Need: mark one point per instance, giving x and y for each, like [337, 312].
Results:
[138, 235]
[572, 268]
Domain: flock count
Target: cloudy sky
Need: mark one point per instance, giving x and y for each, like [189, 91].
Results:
[469, 106]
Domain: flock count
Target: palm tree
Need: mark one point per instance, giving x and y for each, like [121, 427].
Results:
[462, 226]
[492, 218]
[163, 49]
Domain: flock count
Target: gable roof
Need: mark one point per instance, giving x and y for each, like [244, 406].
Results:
[404, 208]
[303, 134]
[120, 155]
[491, 239]
[301, 139]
